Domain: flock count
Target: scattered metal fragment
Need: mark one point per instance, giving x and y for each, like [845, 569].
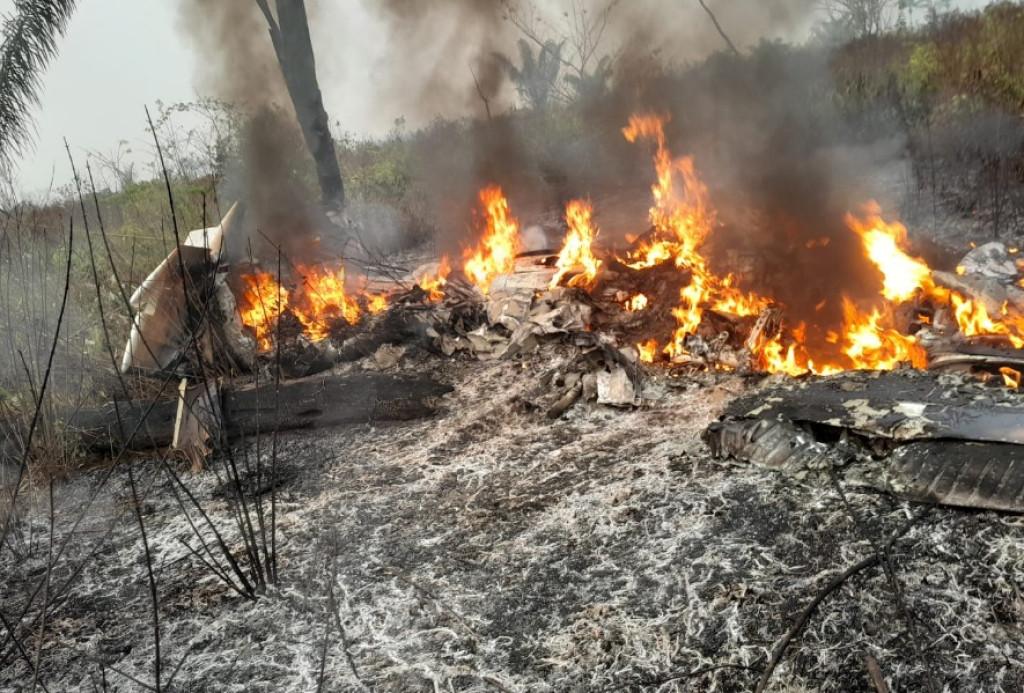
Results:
[774, 444]
[895, 405]
[920, 437]
[973, 475]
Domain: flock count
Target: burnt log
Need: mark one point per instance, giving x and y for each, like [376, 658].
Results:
[316, 402]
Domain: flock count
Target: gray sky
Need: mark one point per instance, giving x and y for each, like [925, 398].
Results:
[120, 55]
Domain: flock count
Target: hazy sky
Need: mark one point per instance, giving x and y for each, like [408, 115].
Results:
[120, 55]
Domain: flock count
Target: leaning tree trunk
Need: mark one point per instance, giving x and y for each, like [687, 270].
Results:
[289, 32]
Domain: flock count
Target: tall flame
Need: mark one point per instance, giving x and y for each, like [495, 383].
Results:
[577, 250]
[682, 218]
[902, 275]
[496, 252]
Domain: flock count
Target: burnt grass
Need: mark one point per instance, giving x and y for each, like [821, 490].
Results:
[489, 548]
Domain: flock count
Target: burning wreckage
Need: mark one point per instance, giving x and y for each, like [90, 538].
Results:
[906, 381]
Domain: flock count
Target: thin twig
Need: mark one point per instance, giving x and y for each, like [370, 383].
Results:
[149, 571]
[835, 583]
[42, 390]
[721, 32]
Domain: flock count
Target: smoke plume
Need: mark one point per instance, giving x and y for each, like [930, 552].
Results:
[238, 65]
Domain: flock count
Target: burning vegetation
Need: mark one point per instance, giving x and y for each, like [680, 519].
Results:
[883, 326]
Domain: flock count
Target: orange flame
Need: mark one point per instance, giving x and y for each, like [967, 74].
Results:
[262, 303]
[376, 303]
[905, 276]
[433, 284]
[323, 300]
[902, 275]
[496, 253]
[1011, 377]
[577, 250]
[682, 218]
[319, 301]
[648, 350]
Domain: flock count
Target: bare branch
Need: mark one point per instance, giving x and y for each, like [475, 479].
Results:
[480, 92]
[718, 26]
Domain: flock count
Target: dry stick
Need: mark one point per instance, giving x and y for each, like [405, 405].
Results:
[805, 616]
[480, 93]
[17, 644]
[247, 529]
[113, 265]
[321, 678]
[260, 514]
[95, 273]
[42, 390]
[835, 583]
[177, 668]
[246, 590]
[149, 571]
[277, 426]
[875, 674]
[662, 680]
[890, 574]
[88, 504]
[174, 214]
[46, 593]
[333, 606]
[136, 681]
[714, 20]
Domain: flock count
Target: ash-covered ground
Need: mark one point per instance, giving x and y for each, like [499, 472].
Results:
[490, 548]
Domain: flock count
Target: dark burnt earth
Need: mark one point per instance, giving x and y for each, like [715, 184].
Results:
[493, 549]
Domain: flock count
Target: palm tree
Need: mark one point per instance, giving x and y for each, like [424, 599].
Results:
[30, 36]
[535, 78]
[590, 86]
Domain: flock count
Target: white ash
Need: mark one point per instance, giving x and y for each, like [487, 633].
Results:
[492, 549]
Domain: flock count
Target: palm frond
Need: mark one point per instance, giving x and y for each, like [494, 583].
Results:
[30, 35]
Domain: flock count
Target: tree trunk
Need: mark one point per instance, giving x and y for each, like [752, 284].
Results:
[289, 32]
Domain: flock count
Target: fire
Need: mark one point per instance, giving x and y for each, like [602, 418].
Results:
[433, 284]
[682, 218]
[973, 319]
[376, 303]
[636, 303]
[496, 253]
[648, 350]
[262, 303]
[320, 300]
[1011, 377]
[577, 250]
[902, 275]
[872, 344]
[773, 357]
[872, 334]
[323, 300]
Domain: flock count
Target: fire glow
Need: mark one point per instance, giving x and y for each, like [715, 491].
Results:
[872, 332]
[320, 301]
[682, 219]
[496, 253]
